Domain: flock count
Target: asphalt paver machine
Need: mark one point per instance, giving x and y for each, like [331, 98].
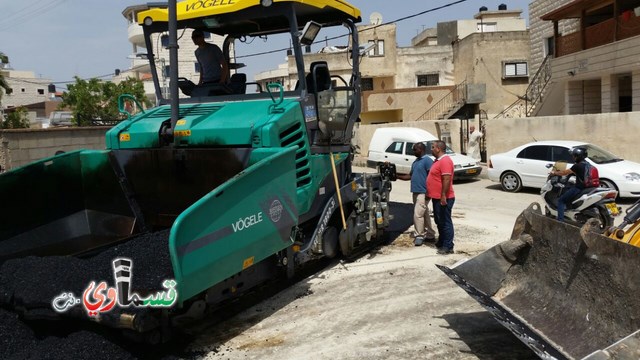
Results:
[218, 190]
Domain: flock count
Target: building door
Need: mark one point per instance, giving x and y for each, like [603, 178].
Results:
[624, 93]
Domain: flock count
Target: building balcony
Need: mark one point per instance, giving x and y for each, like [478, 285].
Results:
[599, 22]
[136, 35]
[606, 32]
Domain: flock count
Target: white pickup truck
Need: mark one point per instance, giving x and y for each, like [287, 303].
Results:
[394, 144]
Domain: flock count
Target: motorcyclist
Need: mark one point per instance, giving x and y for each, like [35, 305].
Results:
[578, 169]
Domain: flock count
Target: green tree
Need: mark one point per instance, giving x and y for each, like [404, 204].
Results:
[98, 100]
[4, 86]
[17, 119]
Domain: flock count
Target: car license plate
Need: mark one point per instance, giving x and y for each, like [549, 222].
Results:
[613, 208]
[471, 171]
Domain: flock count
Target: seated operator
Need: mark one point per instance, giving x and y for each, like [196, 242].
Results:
[213, 65]
[578, 169]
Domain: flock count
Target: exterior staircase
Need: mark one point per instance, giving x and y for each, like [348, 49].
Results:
[448, 105]
[528, 104]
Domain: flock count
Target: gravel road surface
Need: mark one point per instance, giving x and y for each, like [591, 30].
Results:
[390, 304]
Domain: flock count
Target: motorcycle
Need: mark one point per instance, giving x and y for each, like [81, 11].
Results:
[594, 202]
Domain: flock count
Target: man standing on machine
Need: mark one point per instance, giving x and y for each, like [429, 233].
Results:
[213, 66]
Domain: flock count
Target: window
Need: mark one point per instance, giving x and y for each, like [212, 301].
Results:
[166, 70]
[559, 153]
[487, 27]
[197, 67]
[377, 49]
[366, 84]
[395, 148]
[408, 148]
[536, 152]
[429, 80]
[23, 90]
[40, 91]
[515, 69]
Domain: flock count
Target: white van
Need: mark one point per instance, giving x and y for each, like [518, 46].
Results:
[395, 145]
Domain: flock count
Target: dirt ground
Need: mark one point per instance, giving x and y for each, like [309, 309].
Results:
[392, 303]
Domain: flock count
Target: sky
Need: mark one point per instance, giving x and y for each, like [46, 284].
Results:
[60, 39]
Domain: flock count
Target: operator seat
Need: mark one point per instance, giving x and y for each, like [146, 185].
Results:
[238, 83]
[319, 78]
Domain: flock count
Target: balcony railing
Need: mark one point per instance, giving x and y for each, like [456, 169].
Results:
[598, 34]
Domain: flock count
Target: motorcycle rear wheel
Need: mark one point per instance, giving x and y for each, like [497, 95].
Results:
[606, 220]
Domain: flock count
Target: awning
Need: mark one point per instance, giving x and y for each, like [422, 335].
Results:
[575, 8]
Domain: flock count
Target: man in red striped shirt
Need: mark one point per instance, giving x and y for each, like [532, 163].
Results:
[440, 190]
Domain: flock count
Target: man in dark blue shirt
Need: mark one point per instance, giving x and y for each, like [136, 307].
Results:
[578, 169]
[418, 176]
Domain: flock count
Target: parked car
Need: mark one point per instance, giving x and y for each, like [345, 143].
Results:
[61, 118]
[526, 166]
[395, 145]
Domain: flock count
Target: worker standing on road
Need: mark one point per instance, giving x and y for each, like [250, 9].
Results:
[440, 190]
[418, 176]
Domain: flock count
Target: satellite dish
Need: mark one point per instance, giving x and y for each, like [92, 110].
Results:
[375, 18]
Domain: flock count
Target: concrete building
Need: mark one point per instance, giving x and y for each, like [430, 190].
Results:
[483, 60]
[29, 91]
[26, 88]
[433, 78]
[592, 49]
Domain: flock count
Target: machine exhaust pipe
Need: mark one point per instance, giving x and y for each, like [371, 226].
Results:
[173, 64]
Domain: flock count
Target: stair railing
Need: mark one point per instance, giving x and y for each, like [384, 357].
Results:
[525, 105]
[455, 96]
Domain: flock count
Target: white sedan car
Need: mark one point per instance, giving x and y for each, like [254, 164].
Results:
[526, 165]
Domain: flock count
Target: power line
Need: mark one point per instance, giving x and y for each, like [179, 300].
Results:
[323, 40]
[56, 82]
[24, 18]
[10, 17]
[22, 80]
[363, 30]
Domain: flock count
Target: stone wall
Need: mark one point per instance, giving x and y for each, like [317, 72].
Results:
[410, 104]
[616, 132]
[22, 146]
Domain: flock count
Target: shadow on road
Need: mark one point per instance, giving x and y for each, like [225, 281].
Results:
[486, 338]
[401, 222]
[526, 190]
[465, 181]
